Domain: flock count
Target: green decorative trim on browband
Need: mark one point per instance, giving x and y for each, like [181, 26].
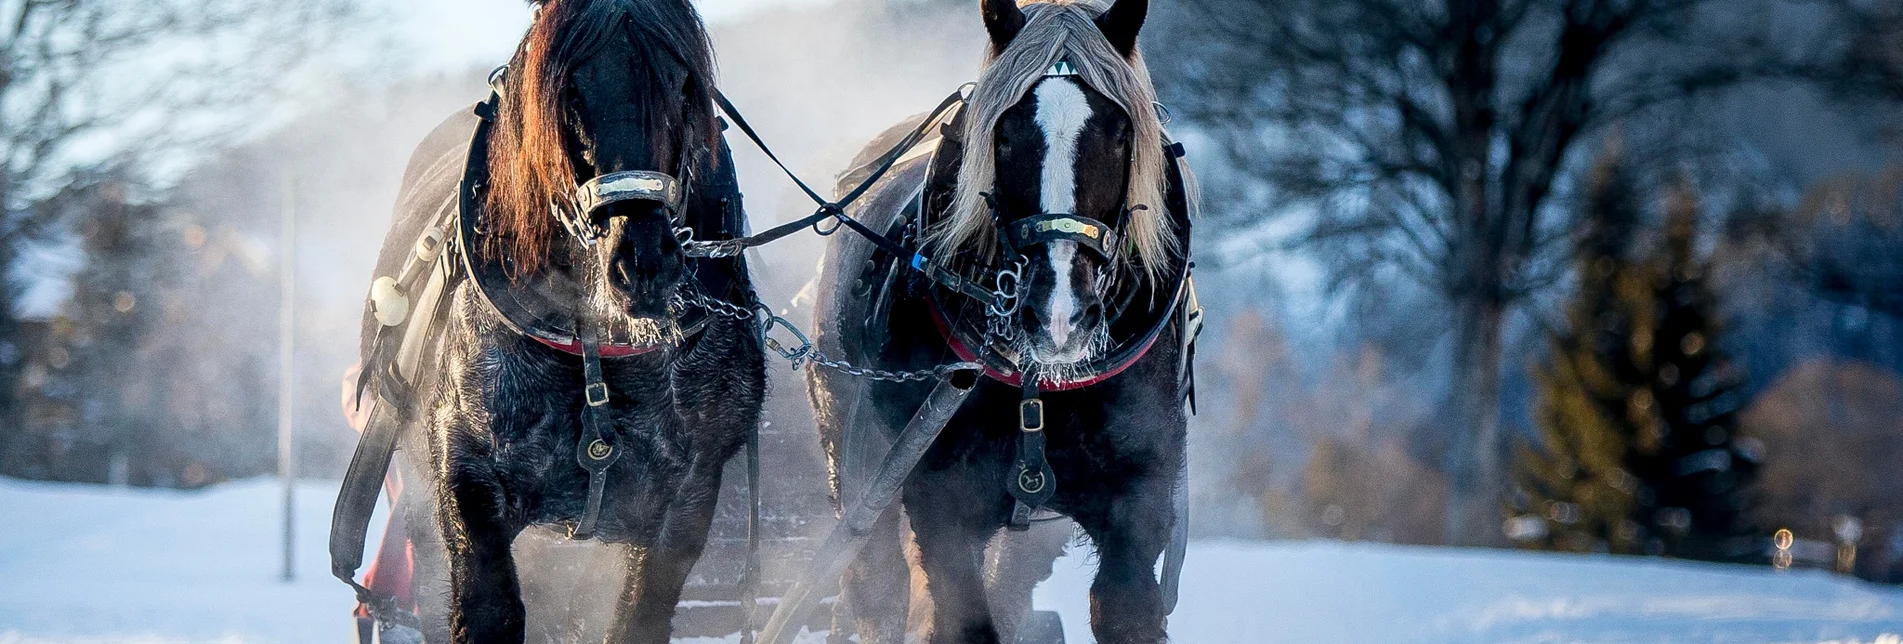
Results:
[1061, 68]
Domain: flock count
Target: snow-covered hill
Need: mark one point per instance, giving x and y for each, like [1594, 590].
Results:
[100, 566]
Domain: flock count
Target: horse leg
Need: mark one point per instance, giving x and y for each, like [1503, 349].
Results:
[1016, 564]
[429, 579]
[1126, 602]
[949, 523]
[657, 573]
[485, 598]
[877, 584]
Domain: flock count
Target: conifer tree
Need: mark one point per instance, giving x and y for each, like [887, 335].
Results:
[1577, 482]
[112, 310]
[1639, 450]
[1697, 477]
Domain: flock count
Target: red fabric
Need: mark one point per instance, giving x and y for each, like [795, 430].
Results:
[392, 572]
[573, 347]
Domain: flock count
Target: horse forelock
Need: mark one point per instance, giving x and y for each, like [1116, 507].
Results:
[530, 167]
[1063, 30]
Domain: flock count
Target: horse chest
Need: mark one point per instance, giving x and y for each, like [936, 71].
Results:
[524, 401]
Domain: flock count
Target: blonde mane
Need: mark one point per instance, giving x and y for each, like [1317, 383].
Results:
[1063, 30]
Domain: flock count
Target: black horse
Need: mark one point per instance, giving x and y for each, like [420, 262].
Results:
[576, 342]
[1055, 172]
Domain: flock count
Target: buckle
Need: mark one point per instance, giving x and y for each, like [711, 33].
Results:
[1031, 415]
[597, 394]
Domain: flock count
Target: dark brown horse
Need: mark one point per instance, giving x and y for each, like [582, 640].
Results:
[1056, 172]
[556, 269]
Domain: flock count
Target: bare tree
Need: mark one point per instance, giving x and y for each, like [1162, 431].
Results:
[1843, 241]
[1425, 139]
[133, 89]
[1868, 58]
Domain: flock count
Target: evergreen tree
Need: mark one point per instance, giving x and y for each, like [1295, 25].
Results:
[111, 308]
[1592, 388]
[1697, 475]
[1638, 409]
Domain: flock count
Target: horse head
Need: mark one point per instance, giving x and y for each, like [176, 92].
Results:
[602, 96]
[1063, 159]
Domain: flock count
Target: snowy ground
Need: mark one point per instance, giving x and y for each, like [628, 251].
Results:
[98, 566]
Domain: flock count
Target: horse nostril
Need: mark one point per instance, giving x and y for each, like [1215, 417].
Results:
[1088, 318]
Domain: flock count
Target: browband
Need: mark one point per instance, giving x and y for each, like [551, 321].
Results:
[1049, 227]
[631, 185]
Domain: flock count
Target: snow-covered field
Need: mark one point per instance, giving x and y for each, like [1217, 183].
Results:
[100, 566]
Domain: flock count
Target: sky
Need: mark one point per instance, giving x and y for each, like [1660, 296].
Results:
[454, 34]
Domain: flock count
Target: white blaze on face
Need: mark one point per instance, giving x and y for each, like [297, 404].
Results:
[1061, 114]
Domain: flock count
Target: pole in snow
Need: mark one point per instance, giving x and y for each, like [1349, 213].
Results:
[287, 330]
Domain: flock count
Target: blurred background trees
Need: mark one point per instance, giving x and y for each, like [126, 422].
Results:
[1455, 257]
[103, 103]
[1419, 178]
[1422, 141]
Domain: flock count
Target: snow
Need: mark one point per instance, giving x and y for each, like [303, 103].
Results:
[85, 564]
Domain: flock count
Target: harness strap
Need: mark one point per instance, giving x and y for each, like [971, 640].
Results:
[392, 354]
[750, 577]
[596, 450]
[357, 500]
[1033, 482]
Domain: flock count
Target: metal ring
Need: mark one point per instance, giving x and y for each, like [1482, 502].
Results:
[838, 219]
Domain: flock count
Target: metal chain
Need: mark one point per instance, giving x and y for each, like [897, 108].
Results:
[1000, 319]
[802, 352]
[921, 375]
[717, 249]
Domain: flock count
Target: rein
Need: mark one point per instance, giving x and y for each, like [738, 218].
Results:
[836, 210]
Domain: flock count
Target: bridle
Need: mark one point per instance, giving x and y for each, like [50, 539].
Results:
[616, 187]
[670, 190]
[1016, 238]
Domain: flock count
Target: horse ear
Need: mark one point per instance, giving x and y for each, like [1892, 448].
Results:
[1003, 19]
[1121, 23]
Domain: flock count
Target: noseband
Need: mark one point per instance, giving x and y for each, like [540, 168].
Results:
[616, 187]
[1045, 228]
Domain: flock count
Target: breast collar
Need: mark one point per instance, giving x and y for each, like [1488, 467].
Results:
[1001, 363]
[543, 309]
[967, 340]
